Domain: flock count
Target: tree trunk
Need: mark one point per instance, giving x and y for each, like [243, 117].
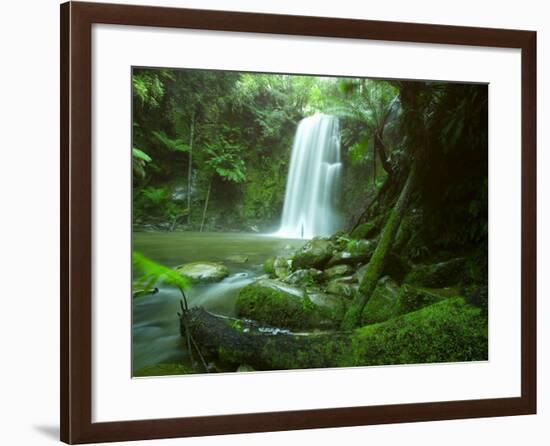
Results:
[376, 264]
[206, 205]
[406, 339]
[190, 169]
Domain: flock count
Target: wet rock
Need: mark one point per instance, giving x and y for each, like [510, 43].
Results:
[269, 265]
[304, 277]
[281, 267]
[343, 286]
[278, 304]
[337, 271]
[326, 300]
[383, 303]
[203, 272]
[237, 258]
[314, 254]
[145, 292]
[359, 251]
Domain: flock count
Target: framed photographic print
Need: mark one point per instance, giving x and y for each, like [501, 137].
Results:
[281, 222]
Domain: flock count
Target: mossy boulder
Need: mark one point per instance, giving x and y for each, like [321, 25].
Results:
[314, 254]
[277, 267]
[448, 331]
[357, 251]
[304, 277]
[237, 258]
[281, 267]
[383, 303]
[269, 265]
[203, 272]
[343, 286]
[437, 275]
[278, 304]
[413, 298]
[367, 230]
[337, 271]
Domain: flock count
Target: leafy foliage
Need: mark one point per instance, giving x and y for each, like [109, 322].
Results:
[153, 273]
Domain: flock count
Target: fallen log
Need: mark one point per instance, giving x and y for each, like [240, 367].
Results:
[447, 331]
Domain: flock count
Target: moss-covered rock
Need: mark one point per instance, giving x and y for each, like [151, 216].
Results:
[367, 230]
[437, 275]
[277, 304]
[383, 303]
[237, 258]
[343, 286]
[314, 254]
[269, 265]
[277, 267]
[304, 277]
[413, 298]
[448, 331]
[337, 271]
[281, 267]
[357, 251]
[203, 272]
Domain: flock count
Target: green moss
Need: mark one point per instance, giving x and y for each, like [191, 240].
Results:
[275, 307]
[366, 230]
[314, 254]
[448, 331]
[269, 266]
[162, 370]
[437, 275]
[381, 306]
[414, 298]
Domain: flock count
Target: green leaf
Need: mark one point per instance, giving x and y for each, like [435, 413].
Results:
[174, 145]
[153, 272]
[140, 154]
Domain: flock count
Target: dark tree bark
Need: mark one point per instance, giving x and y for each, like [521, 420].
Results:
[190, 168]
[206, 204]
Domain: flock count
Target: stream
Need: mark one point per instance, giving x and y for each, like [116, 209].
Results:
[155, 325]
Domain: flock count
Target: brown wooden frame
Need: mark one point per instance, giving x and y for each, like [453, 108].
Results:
[76, 221]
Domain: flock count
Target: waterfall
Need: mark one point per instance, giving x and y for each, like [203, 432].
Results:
[313, 179]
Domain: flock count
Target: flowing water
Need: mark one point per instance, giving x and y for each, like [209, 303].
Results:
[309, 210]
[155, 326]
[313, 179]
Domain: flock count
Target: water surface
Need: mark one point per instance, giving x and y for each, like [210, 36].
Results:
[155, 325]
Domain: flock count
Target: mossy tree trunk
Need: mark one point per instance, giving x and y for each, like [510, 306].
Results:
[206, 204]
[447, 331]
[377, 262]
[190, 168]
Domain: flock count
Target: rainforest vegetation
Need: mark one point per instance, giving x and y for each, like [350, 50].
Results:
[398, 276]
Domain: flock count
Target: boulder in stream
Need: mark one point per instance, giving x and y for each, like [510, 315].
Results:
[277, 304]
[359, 251]
[237, 258]
[314, 254]
[203, 272]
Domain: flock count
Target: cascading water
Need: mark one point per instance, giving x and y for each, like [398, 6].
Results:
[313, 179]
